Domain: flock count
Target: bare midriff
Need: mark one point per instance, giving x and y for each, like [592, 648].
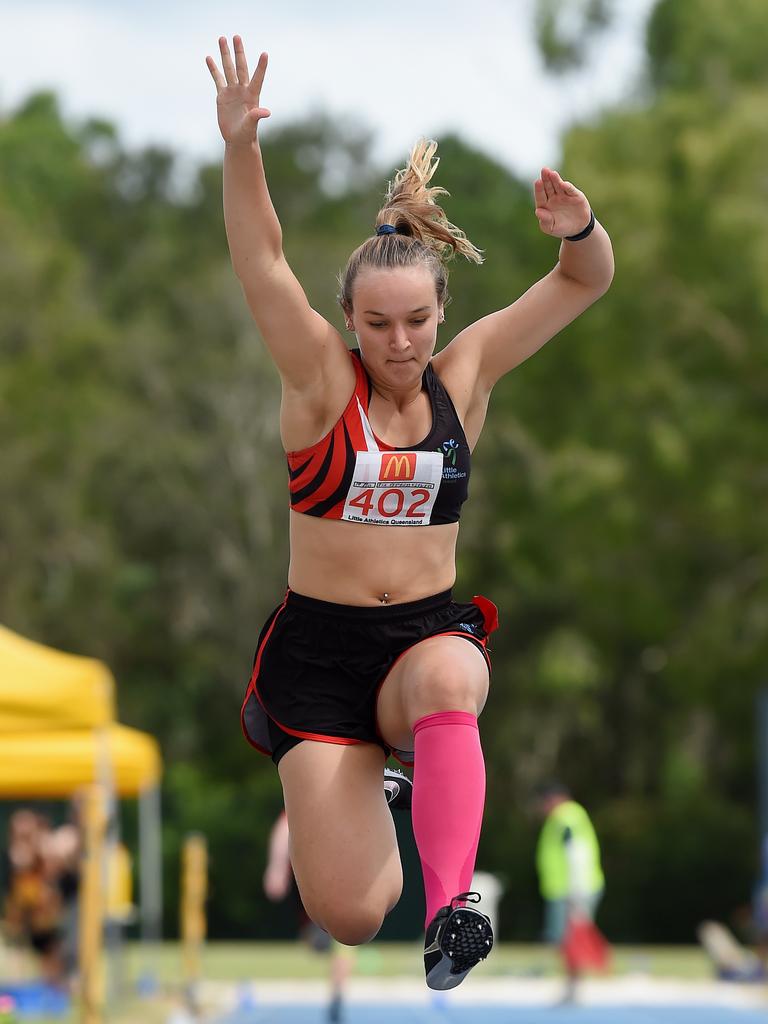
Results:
[358, 564]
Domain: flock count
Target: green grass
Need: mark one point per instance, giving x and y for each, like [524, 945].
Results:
[237, 962]
[232, 961]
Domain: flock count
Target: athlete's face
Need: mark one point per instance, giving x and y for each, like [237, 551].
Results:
[395, 314]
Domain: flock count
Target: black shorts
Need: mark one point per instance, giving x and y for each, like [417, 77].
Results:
[319, 666]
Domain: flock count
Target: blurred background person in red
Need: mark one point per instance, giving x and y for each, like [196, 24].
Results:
[570, 874]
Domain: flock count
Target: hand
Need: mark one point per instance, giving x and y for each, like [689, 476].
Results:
[560, 208]
[237, 98]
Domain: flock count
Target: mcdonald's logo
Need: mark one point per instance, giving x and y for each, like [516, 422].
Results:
[398, 466]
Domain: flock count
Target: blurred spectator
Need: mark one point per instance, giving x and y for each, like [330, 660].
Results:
[64, 850]
[278, 884]
[570, 875]
[40, 907]
[731, 961]
[32, 912]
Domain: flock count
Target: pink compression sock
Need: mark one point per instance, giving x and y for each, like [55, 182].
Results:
[448, 800]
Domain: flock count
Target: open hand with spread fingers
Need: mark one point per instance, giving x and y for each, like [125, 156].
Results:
[237, 96]
[561, 209]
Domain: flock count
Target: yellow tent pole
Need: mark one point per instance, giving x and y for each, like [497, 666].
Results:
[194, 890]
[94, 811]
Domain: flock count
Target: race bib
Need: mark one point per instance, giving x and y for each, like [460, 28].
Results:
[394, 488]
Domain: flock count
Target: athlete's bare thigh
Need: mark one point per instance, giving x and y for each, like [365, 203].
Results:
[443, 673]
[343, 845]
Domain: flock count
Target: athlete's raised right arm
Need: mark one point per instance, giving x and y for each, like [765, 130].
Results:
[302, 342]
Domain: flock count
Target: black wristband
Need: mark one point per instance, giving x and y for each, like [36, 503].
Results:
[587, 230]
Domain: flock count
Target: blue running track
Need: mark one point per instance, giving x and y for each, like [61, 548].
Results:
[360, 1013]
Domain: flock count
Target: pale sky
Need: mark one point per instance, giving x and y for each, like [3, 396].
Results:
[402, 68]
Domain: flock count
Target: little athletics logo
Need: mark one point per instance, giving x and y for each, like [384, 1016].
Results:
[449, 449]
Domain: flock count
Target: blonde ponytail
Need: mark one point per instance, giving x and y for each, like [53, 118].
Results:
[411, 208]
[422, 233]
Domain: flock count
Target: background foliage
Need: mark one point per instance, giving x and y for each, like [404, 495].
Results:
[619, 491]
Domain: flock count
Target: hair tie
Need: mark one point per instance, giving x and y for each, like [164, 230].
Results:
[386, 229]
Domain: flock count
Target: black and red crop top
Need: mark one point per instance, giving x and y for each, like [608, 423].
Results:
[350, 474]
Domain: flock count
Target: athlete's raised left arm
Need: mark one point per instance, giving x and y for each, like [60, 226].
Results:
[500, 341]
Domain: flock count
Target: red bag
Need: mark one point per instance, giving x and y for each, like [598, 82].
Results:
[584, 945]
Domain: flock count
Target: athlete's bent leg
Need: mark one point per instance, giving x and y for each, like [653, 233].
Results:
[448, 802]
[343, 844]
[434, 694]
[430, 703]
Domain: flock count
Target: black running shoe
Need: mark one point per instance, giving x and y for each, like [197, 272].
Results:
[457, 939]
[398, 789]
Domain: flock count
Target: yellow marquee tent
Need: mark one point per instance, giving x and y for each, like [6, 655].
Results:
[58, 733]
[41, 688]
[56, 764]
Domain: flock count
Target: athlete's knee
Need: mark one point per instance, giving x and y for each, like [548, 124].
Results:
[354, 922]
[449, 688]
[353, 927]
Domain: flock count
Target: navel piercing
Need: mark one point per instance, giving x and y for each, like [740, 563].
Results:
[385, 598]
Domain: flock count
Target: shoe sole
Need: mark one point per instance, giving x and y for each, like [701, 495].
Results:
[467, 935]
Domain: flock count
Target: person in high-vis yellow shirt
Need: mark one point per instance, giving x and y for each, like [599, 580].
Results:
[568, 863]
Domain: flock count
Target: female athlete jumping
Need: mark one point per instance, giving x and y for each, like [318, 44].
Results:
[368, 654]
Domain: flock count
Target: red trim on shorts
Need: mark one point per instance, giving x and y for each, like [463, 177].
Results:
[252, 688]
[254, 744]
[480, 642]
[318, 737]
